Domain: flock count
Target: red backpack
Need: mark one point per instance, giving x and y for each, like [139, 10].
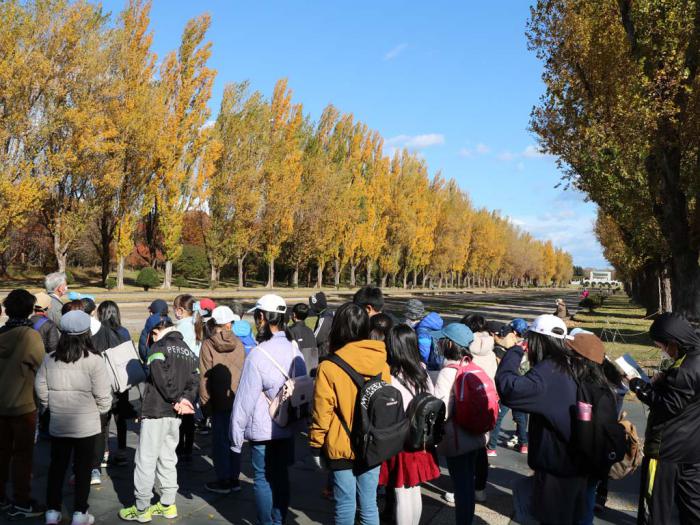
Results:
[476, 399]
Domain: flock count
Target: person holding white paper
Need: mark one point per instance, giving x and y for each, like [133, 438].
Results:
[671, 468]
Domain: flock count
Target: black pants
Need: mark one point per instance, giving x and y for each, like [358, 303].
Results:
[674, 485]
[481, 469]
[82, 450]
[186, 435]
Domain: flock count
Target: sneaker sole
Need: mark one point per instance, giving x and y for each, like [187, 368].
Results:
[140, 520]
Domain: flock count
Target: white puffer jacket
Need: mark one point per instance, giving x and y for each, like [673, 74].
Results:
[482, 350]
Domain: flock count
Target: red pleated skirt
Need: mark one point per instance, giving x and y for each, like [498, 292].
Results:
[408, 469]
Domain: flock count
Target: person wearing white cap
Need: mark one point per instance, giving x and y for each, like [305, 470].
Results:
[220, 365]
[548, 392]
[73, 383]
[272, 446]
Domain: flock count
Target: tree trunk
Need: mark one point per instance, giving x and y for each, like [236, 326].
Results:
[168, 279]
[105, 241]
[440, 280]
[319, 274]
[405, 279]
[120, 274]
[308, 276]
[383, 281]
[295, 276]
[425, 279]
[415, 278]
[214, 277]
[368, 270]
[270, 273]
[665, 291]
[240, 262]
[353, 266]
[336, 273]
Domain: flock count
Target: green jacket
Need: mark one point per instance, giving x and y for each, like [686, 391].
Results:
[21, 353]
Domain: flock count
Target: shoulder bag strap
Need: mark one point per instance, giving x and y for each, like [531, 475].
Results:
[277, 365]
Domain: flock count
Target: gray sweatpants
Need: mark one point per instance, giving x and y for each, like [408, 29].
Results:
[156, 460]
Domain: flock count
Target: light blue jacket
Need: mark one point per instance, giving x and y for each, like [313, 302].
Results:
[186, 327]
[260, 381]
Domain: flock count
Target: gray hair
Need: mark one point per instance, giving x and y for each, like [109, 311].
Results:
[54, 280]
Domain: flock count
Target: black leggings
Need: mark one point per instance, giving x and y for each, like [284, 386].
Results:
[82, 450]
[186, 434]
[481, 469]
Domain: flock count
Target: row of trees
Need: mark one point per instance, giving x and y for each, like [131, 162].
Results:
[622, 112]
[107, 145]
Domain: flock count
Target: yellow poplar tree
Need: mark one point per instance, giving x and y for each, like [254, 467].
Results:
[186, 83]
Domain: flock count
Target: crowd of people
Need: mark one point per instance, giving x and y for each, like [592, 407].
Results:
[384, 401]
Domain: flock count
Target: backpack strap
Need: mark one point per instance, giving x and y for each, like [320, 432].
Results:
[356, 378]
[40, 322]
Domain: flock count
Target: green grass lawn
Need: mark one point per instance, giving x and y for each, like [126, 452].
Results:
[623, 328]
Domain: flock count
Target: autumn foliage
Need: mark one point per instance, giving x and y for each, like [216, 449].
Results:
[106, 144]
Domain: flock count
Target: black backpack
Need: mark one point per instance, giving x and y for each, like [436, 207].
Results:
[599, 441]
[426, 416]
[379, 425]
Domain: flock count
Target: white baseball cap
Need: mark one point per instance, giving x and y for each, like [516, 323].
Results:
[550, 325]
[222, 315]
[270, 303]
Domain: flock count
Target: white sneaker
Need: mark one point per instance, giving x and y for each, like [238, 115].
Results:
[480, 496]
[105, 460]
[80, 518]
[449, 497]
[512, 442]
[95, 477]
[53, 517]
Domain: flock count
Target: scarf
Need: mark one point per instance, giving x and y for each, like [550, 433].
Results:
[14, 323]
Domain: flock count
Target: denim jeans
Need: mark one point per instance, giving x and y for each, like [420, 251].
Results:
[590, 503]
[271, 460]
[461, 470]
[348, 489]
[227, 464]
[520, 419]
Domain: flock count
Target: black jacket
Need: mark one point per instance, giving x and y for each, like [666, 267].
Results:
[306, 341]
[173, 375]
[47, 330]
[107, 338]
[548, 394]
[322, 331]
[674, 416]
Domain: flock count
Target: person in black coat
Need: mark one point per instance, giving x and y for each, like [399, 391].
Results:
[304, 337]
[548, 392]
[671, 467]
[318, 305]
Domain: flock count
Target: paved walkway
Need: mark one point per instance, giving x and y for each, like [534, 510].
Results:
[198, 507]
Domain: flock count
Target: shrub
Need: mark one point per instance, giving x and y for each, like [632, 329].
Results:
[111, 283]
[148, 278]
[592, 302]
[70, 278]
[192, 263]
[180, 282]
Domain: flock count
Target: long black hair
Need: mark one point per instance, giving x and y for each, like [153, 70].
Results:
[271, 319]
[541, 347]
[404, 358]
[379, 326]
[109, 315]
[72, 347]
[350, 323]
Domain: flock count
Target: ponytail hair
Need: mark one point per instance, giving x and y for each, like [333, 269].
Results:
[188, 303]
[271, 319]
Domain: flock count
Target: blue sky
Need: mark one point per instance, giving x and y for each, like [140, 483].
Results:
[452, 80]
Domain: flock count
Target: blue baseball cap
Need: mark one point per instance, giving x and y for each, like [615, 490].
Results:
[520, 326]
[458, 333]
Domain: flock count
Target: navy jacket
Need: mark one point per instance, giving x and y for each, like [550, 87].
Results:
[549, 396]
[151, 322]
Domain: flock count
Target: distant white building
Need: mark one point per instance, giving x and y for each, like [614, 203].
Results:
[600, 277]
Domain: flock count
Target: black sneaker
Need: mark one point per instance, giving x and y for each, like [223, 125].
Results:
[218, 487]
[20, 512]
[5, 504]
